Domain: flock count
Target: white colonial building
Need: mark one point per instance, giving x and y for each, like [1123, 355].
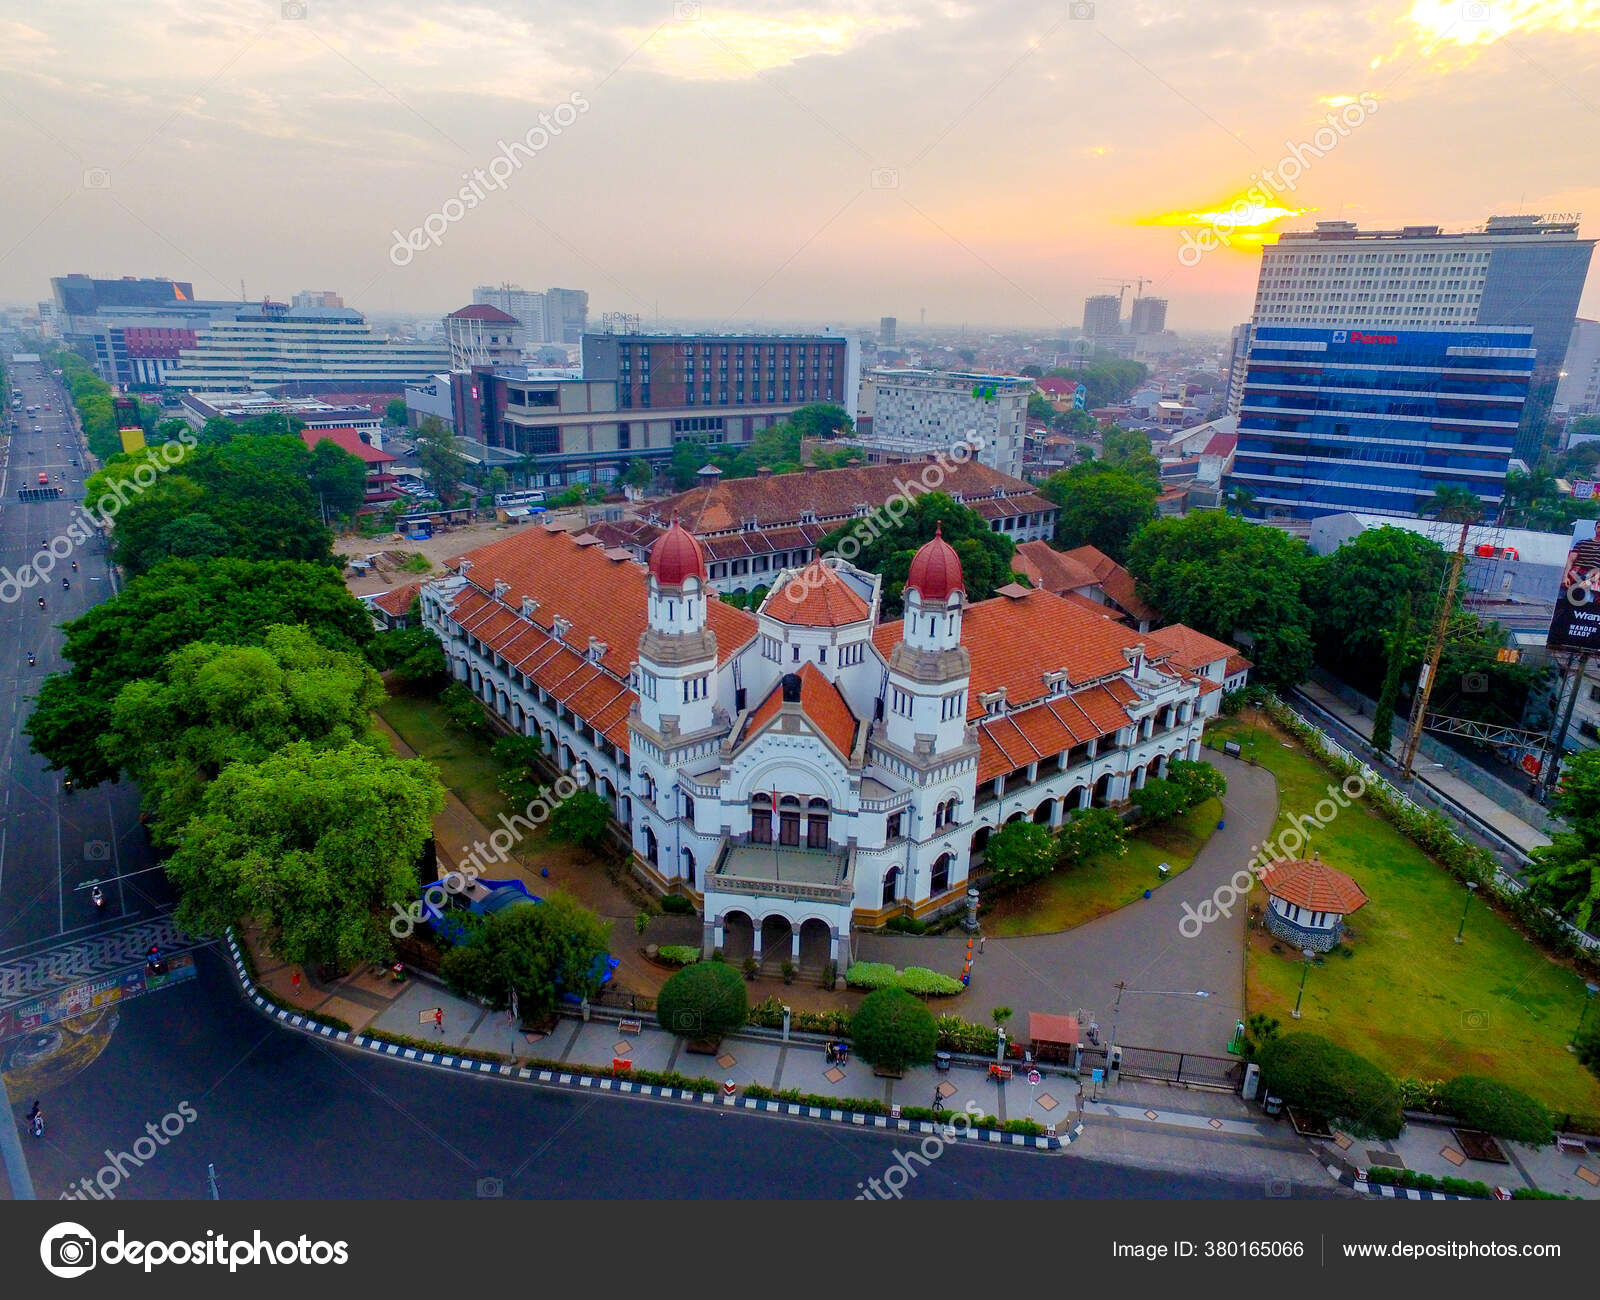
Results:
[810, 769]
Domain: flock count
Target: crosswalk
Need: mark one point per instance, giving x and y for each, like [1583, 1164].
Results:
[81, 959]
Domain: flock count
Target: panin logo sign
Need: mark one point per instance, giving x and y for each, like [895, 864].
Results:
[1339, 336]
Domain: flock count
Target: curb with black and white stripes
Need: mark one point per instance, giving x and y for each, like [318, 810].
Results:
[603, 1083]
[1387, 1191]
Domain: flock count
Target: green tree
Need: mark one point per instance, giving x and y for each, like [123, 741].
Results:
[1108, 379]
[214, 704]
[1565, 874]
[707, 1000]
[1039, 408]
[638, 474]
[1100, 506]
[413, 654]
[820, 420]
[394, 411]
[519, 779]
[462, 708]
[1019, 852]
[985, 554]
[583, 819]
[893, 1030]
[1223, 576]
[1088, 834]
[1325, 1081]
[337, 480]
[1356, 590]
[1395, 660]
[227, 600]
[440, 459]
[1201, 780]
[540, 951]
[315, 845]
[1129, 451]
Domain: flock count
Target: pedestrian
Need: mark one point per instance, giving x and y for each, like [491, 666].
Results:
[295, 980]
[438, 1019]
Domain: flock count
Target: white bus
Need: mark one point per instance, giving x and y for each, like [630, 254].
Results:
[510, 500]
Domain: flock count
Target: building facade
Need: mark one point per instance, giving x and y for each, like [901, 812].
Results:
[654, 371]
[1102, 316]
[810, 768]
[1527, 272]
[481, 335]
[1149, 316]
[915, 412]
[1578, 392]
[1335, 420]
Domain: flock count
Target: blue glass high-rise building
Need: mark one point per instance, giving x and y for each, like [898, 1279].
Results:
[1334, 420]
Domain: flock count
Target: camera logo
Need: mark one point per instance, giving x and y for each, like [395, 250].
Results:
[490, 1189]
[1474, 684]
[1475, 1019]
[686, 1022]
[96, 178]
[884, 178]
[67, 1250]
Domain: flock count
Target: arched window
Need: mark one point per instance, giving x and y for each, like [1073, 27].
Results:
[941, 874]
[651, 848]
[688, 808]
[789, 821]
[761, 819]
[817, 824]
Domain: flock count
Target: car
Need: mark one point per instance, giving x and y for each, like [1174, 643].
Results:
[38, 428]
[44, 479]
[47, 406]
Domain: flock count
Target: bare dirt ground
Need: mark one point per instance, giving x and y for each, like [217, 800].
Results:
[442, 546]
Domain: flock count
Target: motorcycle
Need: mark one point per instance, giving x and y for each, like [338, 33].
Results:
[65, 585]
[41, 602]
[30, 660]
[99, 898]
[36, 1120]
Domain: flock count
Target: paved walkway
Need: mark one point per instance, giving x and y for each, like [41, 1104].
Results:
[1480, 805]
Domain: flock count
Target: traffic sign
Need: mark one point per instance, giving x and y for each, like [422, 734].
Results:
[1033, 1078]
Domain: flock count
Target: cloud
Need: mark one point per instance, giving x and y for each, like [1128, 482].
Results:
[724, 45]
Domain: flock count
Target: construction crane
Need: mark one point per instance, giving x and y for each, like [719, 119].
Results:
[1137, 284]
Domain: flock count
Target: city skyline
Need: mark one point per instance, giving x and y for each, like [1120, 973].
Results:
[769, 161]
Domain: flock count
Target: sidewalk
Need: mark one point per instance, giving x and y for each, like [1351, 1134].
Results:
[1524, 836]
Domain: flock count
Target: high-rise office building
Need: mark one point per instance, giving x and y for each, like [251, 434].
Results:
[1336, 420]
[1102, 315]
[1238, 352]
[1519, 271]
[566, 315]
[1578, 393]
[886, 330]
[316, 298]
[527, 306]
[1149, 316]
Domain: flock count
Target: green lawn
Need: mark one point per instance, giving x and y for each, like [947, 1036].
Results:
[464, 761]
[1069, 898]
[1408, 997]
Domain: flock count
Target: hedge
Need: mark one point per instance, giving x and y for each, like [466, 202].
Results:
[958, 1035]
[1332, 1083]
[1427, 1182]
[893, 1030]
[679, 954]
[1495, 1108]
[914, 979]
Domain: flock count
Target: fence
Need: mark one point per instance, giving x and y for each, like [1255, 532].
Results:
[1191, 1069]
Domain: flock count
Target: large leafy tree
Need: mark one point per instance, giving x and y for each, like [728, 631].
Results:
[1356, 590]
[214, 704]
[1565, 874]
[985, 554]
[539, 951]
[439, 456]
[1108, 379]
[1019, 852]
[1223, 576]
[1101, 506]
[337, 479]
[226, 600]
[1129, 451]
[315, 845]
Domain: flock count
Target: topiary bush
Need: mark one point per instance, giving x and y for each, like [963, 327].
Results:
[1332, 1083]
[679, 954]
[1495, 1108]
[918, 979]
[706, 1000]
[677, 905]
[871, 975]
[893, 1030]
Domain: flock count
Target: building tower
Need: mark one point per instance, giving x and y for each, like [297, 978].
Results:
[678, 651]
[926, 709]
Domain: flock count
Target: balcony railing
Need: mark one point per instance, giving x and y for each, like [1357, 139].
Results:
[782, 871]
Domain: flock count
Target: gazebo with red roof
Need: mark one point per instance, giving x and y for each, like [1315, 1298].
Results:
[1307, 901]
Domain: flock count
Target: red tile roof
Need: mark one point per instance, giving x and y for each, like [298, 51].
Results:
[820, 701]
[1313, 885]
[1221, 444]
[1188, 648]
[816, 597]
[349, 440]
[833, 494]
[397, 600]
[1236, 664]
[1112, 579]
[484, 312]
[1050, 569]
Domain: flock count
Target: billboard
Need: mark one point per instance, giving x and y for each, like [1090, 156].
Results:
[1576, 625]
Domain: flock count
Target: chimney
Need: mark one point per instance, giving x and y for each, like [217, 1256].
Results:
[763, 471]
[465, 567]
[529, 604]
[561, 627]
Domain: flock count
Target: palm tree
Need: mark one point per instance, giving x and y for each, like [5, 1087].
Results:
[1450, 504]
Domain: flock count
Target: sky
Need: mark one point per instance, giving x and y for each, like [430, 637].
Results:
[989, 163]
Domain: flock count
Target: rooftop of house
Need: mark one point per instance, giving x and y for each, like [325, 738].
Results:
[1190, 649]
[347, 440]
[397, 600]
[820, 701]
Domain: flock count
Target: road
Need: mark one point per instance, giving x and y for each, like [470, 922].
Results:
[283, 1116]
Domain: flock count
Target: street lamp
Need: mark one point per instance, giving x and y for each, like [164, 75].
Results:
[1472, 888]
[1590, 990]
[1304, 971]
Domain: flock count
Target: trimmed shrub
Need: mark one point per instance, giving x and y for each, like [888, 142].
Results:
[958, 1035]
[1332, 1083]
[706, 1000]
[914, 979]
[918, 979]
[679, 954]
[677, 905]
[871, 975]
[892, 1030]
[1588, 1048]
[1498, 1109]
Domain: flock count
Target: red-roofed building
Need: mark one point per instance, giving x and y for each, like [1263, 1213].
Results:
[481, 335]
[1307, 901]
[1087, 572]
[807, 770]
[391, 609]
[380, 482]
